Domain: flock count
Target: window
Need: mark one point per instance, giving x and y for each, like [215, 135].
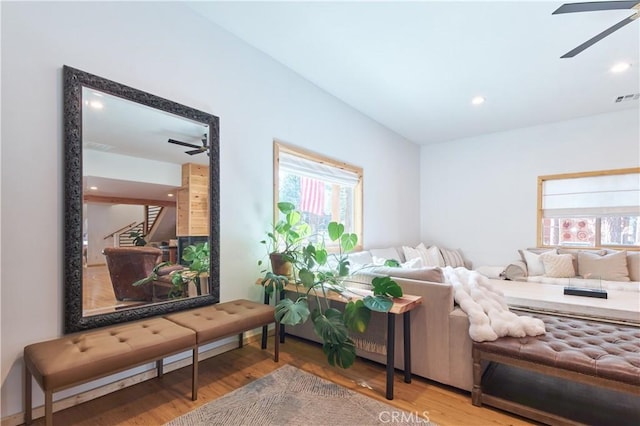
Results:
[592, 209]
[323, 189]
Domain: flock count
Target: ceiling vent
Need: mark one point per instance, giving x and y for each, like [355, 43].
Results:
[625, 98]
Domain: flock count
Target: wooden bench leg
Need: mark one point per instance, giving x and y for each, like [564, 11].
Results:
[160, 367]
[194, 375]
[240, 340]
[476, 392]
[276, 349]
[27, 395]
[48, 408]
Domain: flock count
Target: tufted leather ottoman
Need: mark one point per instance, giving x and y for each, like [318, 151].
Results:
[587, 351]
[81, 357]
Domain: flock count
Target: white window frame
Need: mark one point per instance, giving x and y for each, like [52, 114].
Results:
[280, 147]
[595, 212]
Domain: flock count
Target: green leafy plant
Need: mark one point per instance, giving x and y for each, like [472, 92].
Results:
[138, 238]
[317, 272]
[285, 238]
[198, 259]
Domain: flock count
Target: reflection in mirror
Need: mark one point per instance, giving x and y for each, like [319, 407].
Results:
[148, 189]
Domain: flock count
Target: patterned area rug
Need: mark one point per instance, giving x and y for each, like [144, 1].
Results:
[289, 396]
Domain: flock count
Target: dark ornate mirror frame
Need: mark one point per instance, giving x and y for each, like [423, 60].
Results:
[74, 81]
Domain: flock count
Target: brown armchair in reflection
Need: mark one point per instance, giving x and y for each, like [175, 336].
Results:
[127, 265]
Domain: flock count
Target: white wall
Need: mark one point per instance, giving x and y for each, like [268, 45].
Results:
[480, 194]
[102, 220]
[164, 49]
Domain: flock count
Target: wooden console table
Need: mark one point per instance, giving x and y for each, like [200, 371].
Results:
[401, 306]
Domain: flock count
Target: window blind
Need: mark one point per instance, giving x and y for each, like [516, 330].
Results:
[312, 169]
[601, 195]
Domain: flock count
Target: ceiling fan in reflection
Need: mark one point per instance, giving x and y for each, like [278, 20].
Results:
[197, 149]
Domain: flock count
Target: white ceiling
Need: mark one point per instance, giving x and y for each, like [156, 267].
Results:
[115, 125]
[414, 66]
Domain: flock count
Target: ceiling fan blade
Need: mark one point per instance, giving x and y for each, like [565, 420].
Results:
[594, 6]
[190, 145]
[194, 152]
[599, 37]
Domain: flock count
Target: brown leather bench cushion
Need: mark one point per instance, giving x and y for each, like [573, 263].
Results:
[609, 351]
[78, 357]
[224, 319]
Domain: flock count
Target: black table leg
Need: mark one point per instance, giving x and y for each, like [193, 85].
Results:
[407, 346]
[281, 325]
[391, 339]
[265, 329]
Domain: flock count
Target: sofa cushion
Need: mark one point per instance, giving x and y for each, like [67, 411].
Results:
[610, 267]
[633, 263]
[432, 274]
[558, 265]
[532, 260]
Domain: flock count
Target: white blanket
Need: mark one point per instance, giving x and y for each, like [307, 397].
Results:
[489, 315]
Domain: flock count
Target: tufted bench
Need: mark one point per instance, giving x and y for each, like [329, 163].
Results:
[586, 351]
[85, 356]
[81, 357]
[214, 322]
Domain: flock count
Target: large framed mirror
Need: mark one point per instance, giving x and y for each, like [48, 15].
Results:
[141, 191]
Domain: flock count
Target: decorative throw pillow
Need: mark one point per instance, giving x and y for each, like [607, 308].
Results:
[452, 258]
[610, 267]
[533, 261]
[360, 258]
[413, 263]
[574, 253]
[558, 265]
[633, 263]
[430, 256]
[411, 253]
[386, 253]
[516, 271]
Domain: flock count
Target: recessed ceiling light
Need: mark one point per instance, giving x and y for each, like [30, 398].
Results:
[93, 188]
[169, 195]
[96, 104]
[620, 67]
[478, 100]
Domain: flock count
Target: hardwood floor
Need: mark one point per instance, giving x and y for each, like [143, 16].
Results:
[97, 292]
[157, 401]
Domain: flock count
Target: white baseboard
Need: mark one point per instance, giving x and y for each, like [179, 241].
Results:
[18, 418]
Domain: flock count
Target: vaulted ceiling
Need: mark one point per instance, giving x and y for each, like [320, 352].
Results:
[415, 66]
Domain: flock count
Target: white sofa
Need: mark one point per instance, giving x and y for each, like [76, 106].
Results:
[441, 347]
[602, 268]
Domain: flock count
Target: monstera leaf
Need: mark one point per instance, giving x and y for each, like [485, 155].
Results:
[342, 355]
[330, 325]
[292, 313]
[338, 347]
[357, 316]
[385, 286]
